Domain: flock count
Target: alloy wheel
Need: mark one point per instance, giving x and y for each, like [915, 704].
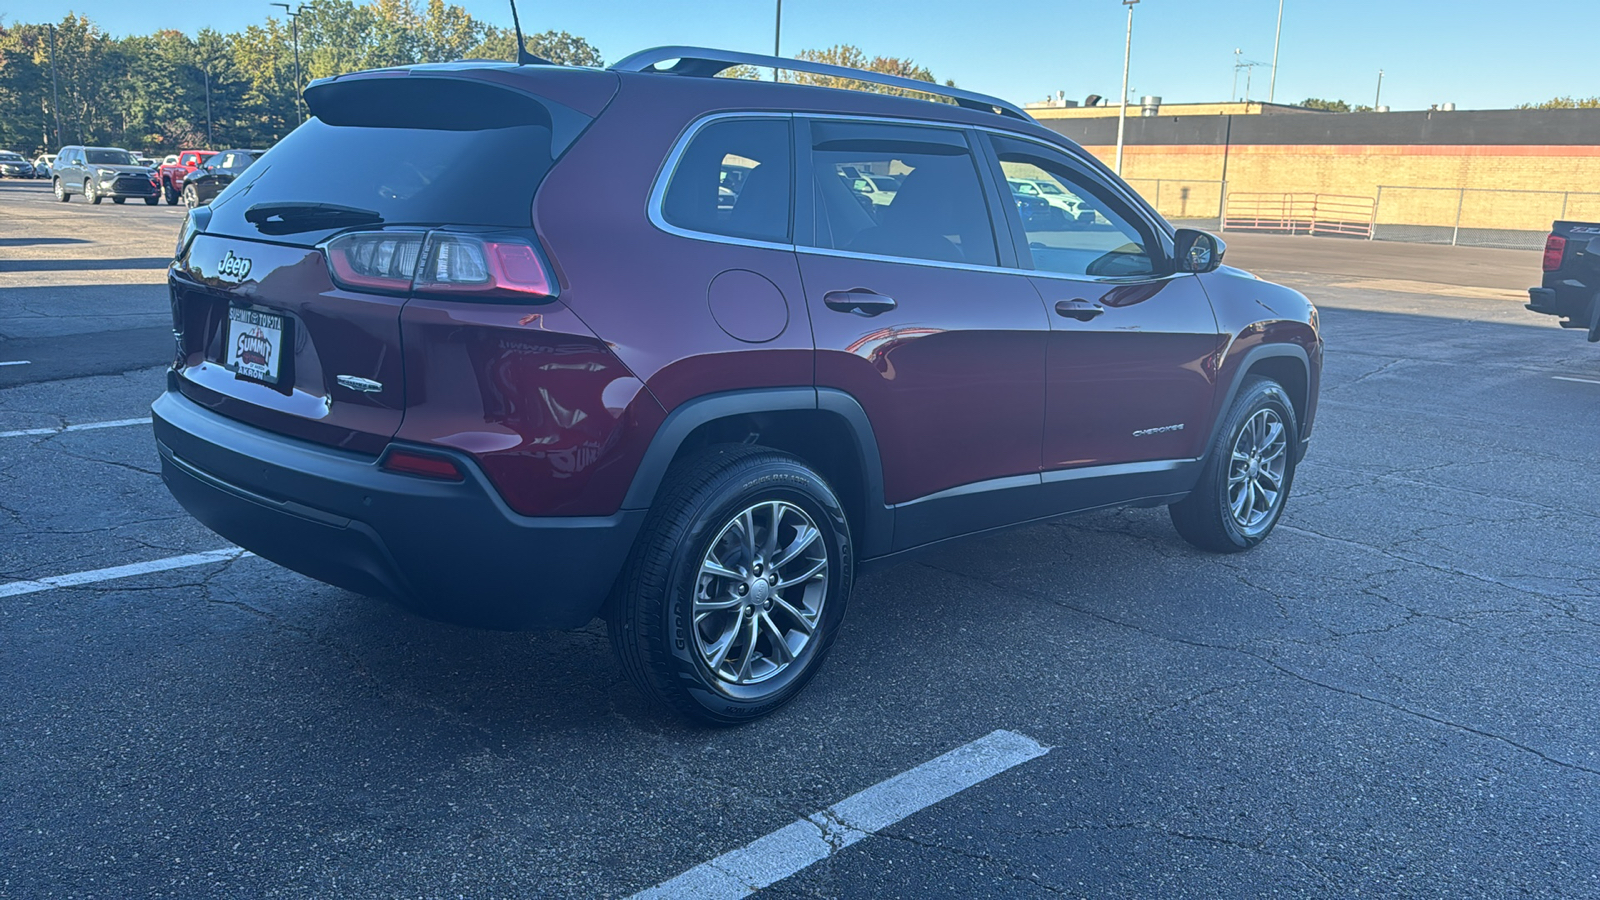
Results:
[1256, 471]
[759, 592]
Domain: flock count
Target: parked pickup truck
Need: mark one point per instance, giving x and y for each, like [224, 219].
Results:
[172, 174]
[1571, 287]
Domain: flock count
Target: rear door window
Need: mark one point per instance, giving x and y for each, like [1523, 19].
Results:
[735, 178]
[904, 191]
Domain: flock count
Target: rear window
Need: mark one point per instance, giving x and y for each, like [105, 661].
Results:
[413, 151]
[405, 175]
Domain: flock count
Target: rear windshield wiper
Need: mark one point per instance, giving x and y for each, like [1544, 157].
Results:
[288, 218]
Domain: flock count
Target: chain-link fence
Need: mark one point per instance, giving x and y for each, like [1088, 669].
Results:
[1192, 202]
[1476, 217]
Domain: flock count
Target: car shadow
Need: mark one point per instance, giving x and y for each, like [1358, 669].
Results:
[39, 241]
[82, 265]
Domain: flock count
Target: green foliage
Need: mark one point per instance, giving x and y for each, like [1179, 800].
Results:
[148, 92]
[1564, 103]
[852, 57]
[1326, 105]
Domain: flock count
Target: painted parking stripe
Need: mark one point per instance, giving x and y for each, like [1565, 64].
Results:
[1570, 378]
[770, 859]
[18, 588]
[16, 362]
[86, 426]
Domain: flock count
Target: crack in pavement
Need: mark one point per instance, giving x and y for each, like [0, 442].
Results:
[1275, 665]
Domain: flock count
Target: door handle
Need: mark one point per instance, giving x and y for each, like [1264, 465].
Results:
[1082, 310]
[860, 301]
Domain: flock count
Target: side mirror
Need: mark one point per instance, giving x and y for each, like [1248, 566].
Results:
[1197, 251]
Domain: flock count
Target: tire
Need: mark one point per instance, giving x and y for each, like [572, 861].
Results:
[1243, 459]
[151, 201]
[60, 189]
[167, 193]
[710, 670]
[119, 200]
[89, 193]
[191, 197]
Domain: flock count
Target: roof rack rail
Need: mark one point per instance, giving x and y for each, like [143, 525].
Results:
[703, 62]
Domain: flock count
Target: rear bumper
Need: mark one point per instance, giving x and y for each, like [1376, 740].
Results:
[449, 551]
[1567, 298]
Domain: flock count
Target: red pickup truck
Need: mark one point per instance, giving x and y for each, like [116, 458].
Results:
[172, 174]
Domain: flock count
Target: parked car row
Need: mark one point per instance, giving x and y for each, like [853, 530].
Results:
[12, 165]
[96, 173]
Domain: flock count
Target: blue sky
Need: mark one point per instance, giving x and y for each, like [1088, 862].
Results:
[1475, 53]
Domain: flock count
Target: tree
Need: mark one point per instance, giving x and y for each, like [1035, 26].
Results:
[1325, 105]
[851, 56]
[149, 91]
[1564, 102]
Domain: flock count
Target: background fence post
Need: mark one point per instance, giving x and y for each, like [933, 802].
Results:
[1378, 201]
[1565, 195]
[1461, 198]
[1222, 208]
[1157, 204]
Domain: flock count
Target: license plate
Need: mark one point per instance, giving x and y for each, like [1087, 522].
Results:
[255, 343]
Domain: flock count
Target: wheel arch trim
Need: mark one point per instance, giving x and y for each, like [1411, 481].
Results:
[1242, 367]
[683, 420]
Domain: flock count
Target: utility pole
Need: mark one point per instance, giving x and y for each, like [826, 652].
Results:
[1233, 93]
[55, 94]
[294, 28]
[1272, 88]
[1127, 54]
[1378, 96]
[777, 35]
[207, 72]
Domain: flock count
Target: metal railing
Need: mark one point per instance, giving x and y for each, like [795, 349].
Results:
[1299, 213]
[1187, 199]
[1476, 217]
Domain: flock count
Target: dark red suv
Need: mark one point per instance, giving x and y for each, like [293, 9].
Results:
[522, 345]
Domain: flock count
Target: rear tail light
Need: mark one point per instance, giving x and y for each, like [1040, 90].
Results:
[1554, 246]
[484, 267]
[440, 263]
[427, 465]
[380, 260]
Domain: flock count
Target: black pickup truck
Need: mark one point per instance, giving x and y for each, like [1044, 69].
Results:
[1571, 287]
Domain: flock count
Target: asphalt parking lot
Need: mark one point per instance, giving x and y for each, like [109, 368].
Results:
[1395, 695]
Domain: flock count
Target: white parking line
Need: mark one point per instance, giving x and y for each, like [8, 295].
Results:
[18, 588]
[86, 426]
[768, 860]
[1570, 378]
[17, 362]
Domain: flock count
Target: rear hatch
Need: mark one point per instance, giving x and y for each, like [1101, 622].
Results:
[267, 333]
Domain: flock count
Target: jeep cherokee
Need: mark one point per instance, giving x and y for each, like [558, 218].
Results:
[576, 378]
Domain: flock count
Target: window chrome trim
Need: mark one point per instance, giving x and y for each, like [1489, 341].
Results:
[669, 167]
[908, 260]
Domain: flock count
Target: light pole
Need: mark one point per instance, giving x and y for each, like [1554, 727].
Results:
[1379, 95]
[1127, 54]
[207, 72]
[294, 28]
[1272, 87]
